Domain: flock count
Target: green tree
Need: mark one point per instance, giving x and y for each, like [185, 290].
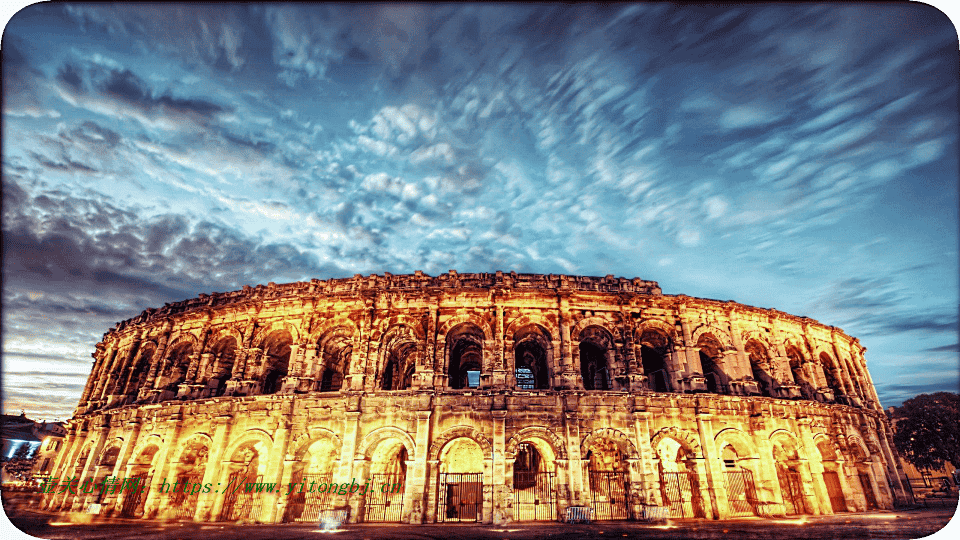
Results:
[927, 431]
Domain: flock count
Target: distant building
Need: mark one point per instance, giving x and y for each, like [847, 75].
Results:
[43, 440]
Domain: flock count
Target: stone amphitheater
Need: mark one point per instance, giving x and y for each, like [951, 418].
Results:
[487, 397]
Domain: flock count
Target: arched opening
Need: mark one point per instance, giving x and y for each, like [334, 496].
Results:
[831, 375]
[596, 345]
[760, 365]
[139, 475]
[533, 494]
[311, 477]
[465, 345]
[108, 460]
[244, 469]
[177, 364]
[654, 348]
[831, 475]
[398, 372]
[741, 489]
[141, 369]
[189, 471]
[276, 360]
[461, 481]
[807, 390]
[609, 479]
[788, 476]
[336, 348]
[711, 358]
[383, 499]
[864, 476]
[531, 366]
[679, 481]
[221, 365]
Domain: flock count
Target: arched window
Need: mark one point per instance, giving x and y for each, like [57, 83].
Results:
[398, 371]
[224, 353]
[526, 466]
[276, 359]
[593, 367]
[830, 373]
[595, 342]
[531, 365]
[807, 390]
[654, 347]
[177, 364]
[711, 354]
[465, 343]
[760, 365]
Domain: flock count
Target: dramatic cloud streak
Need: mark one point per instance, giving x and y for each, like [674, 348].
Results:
[801, 157]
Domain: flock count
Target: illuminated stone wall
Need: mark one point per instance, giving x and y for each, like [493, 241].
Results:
[492, 397]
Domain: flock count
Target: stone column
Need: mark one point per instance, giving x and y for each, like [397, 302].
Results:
[650, 477]
[126, 448]
[415, 495]
[566, 369]
[500, 492]
[170, 433]
[712, 480]
[575, 465]
[209, 504]
[351, 431]
[816, 490]
[274, 470]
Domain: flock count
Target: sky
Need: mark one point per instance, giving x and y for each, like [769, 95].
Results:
[796, 157]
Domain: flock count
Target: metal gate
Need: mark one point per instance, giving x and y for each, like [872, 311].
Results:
[837, 501]
[383, 500]
[868, 491]
[134, 500]
[238, 503]
[673, 487]
[307, 501]
[741, 493]
[609, 492]
[791, 491]
[533, 496]
[461, 496]
[184, 501]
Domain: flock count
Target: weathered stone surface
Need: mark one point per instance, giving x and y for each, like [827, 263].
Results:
[490, 397]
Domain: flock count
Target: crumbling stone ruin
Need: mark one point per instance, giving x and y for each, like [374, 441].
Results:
[477, 397]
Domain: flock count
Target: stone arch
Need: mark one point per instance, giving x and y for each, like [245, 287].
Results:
[276, 347]
[176, 363]
[687, 440]
[220, 333]
[595, 355]
[140, 368]
[451, 323]
[455, 433]
[831, 371]
[609, 326]
[110, 453]
[627, 448]
[183, 336]
[798, 362]
[399, 349]
[263, 333]
[857, 449]
[303, 441]
[143, 449]
[520, 322]
[791, 448]
[324, 326]
[545, 434]
[335, 348]
[669, 330]
[194, 439]
[722, 336]
[463, 358]
[654, 345]
[741, 442]
[532, 357]
[374, 438]
[760, 357]
[255, 435]
[385, 325]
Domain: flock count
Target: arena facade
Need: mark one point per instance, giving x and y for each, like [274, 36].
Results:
[477, 397]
